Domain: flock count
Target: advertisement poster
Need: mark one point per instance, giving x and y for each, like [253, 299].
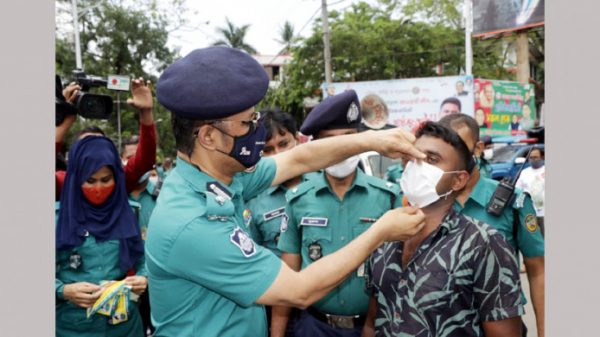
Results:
[504, 108]
[407, 102]
[499, 16]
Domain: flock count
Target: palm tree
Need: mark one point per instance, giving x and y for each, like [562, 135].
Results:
[286, 37]
[234, 37]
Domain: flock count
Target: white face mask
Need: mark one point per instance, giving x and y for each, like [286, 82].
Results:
[419, 181]
[488, 154]
[344, 168]
[153, 180]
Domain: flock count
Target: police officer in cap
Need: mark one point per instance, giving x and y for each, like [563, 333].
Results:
[208, 277]
[324, 213]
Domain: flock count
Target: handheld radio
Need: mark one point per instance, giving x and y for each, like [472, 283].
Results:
[505, 192]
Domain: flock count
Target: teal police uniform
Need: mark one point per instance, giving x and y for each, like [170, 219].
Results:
[100, 262]
[529, 240]
[146, 202]
[394, 173]
[485, 169]
[263, 215]
[205, 272]
[317, 224]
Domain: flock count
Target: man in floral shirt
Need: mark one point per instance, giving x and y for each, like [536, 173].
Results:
[458, 276]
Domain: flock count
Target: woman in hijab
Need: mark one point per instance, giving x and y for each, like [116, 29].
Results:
[97, 240]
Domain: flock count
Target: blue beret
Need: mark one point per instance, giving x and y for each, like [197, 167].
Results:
[341, 111]
[212, 83]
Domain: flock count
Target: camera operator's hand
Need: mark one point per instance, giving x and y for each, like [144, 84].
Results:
[142, 95]
[142, 99]
[71, 92]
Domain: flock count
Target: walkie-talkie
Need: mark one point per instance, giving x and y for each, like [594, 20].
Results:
[504, 193]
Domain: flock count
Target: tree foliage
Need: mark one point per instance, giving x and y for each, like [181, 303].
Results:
[388, 40]
[287, 37]
[234, 37]
[124, 38]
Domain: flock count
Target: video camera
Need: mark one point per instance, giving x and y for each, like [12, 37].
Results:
[86, 104]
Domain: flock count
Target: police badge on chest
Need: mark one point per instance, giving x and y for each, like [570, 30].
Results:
[75, 261]
[315, 251]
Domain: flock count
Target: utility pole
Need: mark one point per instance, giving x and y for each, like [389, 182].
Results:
[327, 50]
[468, 29]
[523, 57]
[78, 63]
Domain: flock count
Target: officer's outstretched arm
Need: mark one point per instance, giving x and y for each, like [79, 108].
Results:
[301, 289]
[313, 156]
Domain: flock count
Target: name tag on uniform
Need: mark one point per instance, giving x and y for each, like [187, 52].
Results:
[274, 213]
[309, 221]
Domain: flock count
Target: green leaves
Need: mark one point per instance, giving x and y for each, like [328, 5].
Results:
[234, 37]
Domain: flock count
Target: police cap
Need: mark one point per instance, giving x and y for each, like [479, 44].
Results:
[341, 111]
[212, 83]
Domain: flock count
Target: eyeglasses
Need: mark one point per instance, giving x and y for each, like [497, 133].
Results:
[255, 119]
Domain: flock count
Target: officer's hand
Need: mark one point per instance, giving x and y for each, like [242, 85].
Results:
[83, 294]
[396, 143]
[71, 91]
[138, 283]
[401, 223]
[142, 95]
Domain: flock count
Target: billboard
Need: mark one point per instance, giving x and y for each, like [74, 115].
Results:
[504, 108]
[408, 102]
[498, 16]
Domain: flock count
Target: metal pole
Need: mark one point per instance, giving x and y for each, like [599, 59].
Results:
[468, 30]
[78, 62]
[119, 117]
[327, 50]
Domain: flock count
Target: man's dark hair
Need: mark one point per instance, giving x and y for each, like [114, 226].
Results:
[184, 131]
[449, 136]
[133, 140]
[91, 129]
[452, 100]
[542, 152]
[455, 121]
[278, 121]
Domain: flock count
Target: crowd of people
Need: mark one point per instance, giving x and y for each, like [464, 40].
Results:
[249, 233]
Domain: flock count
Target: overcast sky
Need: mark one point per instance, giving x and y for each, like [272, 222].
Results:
[264, 16]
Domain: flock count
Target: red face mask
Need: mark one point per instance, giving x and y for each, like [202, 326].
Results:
[97, 195]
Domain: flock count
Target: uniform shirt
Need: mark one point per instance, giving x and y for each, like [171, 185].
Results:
[147, 203]
[100, 262]
[532, 181]
[460, 275]
[263, 215]
[205, 272]
[529, 240]
[316, 220]
[394, 173]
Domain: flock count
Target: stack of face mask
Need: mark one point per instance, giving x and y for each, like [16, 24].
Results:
[114, 302]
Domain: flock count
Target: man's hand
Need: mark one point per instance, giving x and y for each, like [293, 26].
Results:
[400, 224]
[142, 95]
[71, 91]
[83, 294]
[394, 143]
[138, 283]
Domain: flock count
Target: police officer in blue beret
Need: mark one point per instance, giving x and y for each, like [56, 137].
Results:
[208, 277]
[326, 212]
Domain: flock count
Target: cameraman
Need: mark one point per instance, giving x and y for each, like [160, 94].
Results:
[145, 155]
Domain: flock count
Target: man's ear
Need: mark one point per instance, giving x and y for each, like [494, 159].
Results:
[206, 137]
[460, 180]
[478, 150]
